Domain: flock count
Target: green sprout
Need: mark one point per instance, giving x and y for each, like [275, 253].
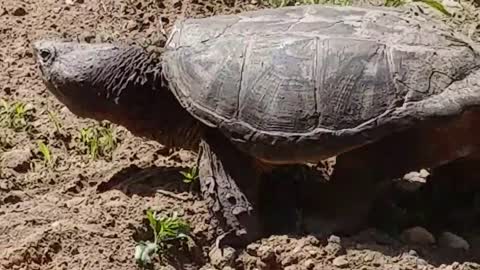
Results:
[432, 3]
[190, 175]
[394, 3]
[16, 115]
[165, 230]
[46, 154]
[98, 141]
[435, 5]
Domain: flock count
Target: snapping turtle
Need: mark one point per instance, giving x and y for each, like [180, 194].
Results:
[293, 85]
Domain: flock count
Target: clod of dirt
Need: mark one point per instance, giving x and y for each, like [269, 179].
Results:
[222, 258]
[451, 240]
[18, 160]
[20, 11]
[417, 235]
[13, 197]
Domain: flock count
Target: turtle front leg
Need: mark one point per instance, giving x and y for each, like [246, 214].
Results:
[229, 182]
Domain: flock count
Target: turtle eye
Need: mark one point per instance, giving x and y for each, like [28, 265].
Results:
[45, 54]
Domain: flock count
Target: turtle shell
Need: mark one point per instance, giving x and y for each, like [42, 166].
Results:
[304, 83]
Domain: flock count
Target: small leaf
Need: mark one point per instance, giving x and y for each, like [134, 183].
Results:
[436, 5]
[152, 220]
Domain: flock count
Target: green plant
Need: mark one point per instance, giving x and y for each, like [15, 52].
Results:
[46, 154]
[55, 121]
[190, 175]
[394, 3]
[432, 3]
[98, 141]
[435, 5]
[16, 115]
[284, 3]
[165, 230]
[389, 3]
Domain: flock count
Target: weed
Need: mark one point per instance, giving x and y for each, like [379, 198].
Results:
[98, 141]
[394, 3]
[190, 175]
[284, 3]
[432, 3]
[46, 154]
[388, 3]
[55, 121]
[165, 230]
[16, 115]
[435, 5]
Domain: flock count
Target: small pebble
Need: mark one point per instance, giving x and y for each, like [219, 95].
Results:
[131, 25]
[340, 261]
[334, 239]
[424, 173]
[368, 258]
[309, 264]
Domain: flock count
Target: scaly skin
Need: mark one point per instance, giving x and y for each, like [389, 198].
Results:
[122, 84]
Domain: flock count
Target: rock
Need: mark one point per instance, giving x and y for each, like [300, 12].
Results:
[334, 247]
[413, 253]
[451, 240]
[334, 239]
[221, 258]
[415, 177]
[309, 264]
[73, 2]
[368, 257]
[417, 235]
[340, 261]
[131, 25]
[18, 160]
[424, 173]
[453, 266]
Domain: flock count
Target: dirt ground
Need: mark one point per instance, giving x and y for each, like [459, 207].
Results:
[78, 215]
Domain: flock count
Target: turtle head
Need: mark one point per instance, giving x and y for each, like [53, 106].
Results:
[97, 80]
[119, 83]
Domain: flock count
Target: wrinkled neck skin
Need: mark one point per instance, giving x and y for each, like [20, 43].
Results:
[138, 98]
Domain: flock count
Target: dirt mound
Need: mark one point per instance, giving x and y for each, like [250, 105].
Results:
[74, 212]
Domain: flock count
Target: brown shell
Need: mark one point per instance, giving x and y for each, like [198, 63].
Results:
[304, 83]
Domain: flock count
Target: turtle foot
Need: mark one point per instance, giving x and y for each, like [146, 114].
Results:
[229, 183]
